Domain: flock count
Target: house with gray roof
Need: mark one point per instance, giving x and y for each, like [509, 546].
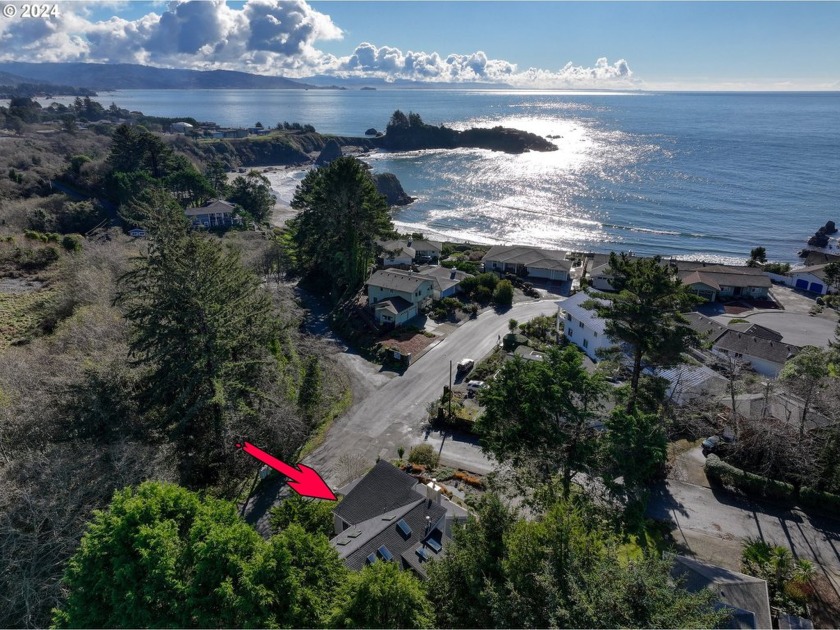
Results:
[396, 253]
[706, 328]
[765, 356]
[534, 262]
[215, 213]
[396, 296]
[388, 516]
[426, 248]
[446, 282]
[745, 597]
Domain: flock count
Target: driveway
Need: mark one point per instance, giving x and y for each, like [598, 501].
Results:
[392, 413]
[713, 524]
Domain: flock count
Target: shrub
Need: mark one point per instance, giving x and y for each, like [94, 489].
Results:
[483, 294]
[489, 280]
[72, 242]
[777, 268]
[826, 501]
[503, 295]
[424, 455]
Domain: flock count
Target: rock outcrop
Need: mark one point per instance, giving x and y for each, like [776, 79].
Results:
[410, 133]
[389, 186]
[371, 132]
[820, 238]
[330, 152]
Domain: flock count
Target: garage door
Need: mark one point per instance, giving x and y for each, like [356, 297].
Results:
[802, 284]
[816, 287]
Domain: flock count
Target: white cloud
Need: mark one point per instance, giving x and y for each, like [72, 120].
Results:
[268, 37]
[263, 35]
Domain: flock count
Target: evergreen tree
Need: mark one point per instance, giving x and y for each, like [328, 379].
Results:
[646, 313]
[216, 174]
[541, 412]
[382, 596]
[312, 515]
[162, 556]
[342, 215]
[309, 394]
[202, 325]
[253, 194]
[462, 584]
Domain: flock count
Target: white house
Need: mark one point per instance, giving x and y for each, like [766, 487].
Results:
[396, 253]
[765, 356]
[181, 127]
[531, 261]
[810, 279]
[215, 213]
[582, 326]
[396, 296]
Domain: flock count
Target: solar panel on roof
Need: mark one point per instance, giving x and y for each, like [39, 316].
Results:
[421, 551]
[435, 545]
[405, 530]
[371, 558]
[385, 554]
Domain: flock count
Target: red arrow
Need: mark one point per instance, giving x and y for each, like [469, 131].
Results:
[303, 480]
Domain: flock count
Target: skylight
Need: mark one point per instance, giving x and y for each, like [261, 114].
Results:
[384, 553]
[405, 530]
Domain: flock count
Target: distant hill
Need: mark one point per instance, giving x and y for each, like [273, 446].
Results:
[12, 79]
[125, 76]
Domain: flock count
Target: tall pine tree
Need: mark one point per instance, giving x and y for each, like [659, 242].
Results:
[342, 215]
[202, 325]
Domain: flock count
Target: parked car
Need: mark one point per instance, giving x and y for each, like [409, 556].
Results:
[474, 386]
[465, 366]
[710, 444]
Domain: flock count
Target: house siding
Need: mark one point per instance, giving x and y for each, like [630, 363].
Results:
[584, 337]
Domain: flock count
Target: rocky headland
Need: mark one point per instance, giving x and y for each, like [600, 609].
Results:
[410, 133]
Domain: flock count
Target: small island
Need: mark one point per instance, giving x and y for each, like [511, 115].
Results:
[410, 133]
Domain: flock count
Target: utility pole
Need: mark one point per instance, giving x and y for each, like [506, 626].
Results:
[450, 390]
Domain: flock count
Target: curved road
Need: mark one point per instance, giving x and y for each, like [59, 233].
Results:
[394, 412]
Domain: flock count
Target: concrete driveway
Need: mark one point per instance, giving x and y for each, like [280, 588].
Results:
[713, 525]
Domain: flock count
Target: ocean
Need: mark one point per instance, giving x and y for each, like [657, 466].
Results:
[707, 175]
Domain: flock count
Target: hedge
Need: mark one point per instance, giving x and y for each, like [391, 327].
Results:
[749, 483]
[756, 485]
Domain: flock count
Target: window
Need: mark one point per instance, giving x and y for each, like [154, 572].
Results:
[405, 530]
[569, 332]
[385, 554]
[596, 334]
[568, 317]
[586, 343]
[371, 558]
[580, 324]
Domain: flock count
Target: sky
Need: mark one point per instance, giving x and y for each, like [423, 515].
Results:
[537, 45]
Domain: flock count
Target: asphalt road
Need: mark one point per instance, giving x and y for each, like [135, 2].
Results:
[392, 413]
[713, 524]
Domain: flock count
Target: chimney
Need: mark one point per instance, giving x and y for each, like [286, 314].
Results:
[452, 273]
[409, 242]
[433, 492]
